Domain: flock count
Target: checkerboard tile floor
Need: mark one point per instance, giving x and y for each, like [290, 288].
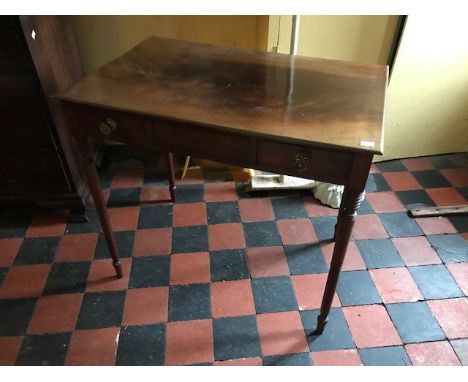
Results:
[226, 278]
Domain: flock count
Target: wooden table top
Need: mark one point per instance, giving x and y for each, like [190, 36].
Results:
[317, 101]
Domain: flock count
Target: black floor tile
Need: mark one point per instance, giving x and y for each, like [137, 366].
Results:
[388, 356]
[13, 226]
[105, 177]
[305, 258]
[40, 250]
[415, 198]
[273, 294]
[228, 265]
[324, 227]
[67, 278]
[335, 336]
[189, 302]
[379, 253]
[289, 208]
[399, 224]
[3, 272]
[441, 161]
[44, 350]
[357, 288]
[365, 208]
[463, 191]
[190, 239]
[101, 310]
[149, 272]
[451, 248]
[300, 359]
[222, 212]
[155, 178]
[415, 322]
[377, 183]
[391, 166]
[155, 216]
[460, 222]
[435, 282]
[431, 179]
[124, 197]
[92, 225]
[190, 193]
[262, 234]
[235, 337]
[15, 316]
[124, 240]
[141, 345]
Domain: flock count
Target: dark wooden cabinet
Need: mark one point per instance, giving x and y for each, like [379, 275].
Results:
[39, 164]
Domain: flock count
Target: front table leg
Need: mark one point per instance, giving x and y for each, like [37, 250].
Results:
[348, 213]
[170, 171]
[96, 192]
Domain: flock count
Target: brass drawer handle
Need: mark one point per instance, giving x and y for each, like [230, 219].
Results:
[301, 162]
[108, 126]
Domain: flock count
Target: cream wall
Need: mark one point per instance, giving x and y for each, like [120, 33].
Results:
[102, 38]
[427, 104]
[353, 38]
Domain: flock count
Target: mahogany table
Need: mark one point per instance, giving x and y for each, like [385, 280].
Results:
[313, 118]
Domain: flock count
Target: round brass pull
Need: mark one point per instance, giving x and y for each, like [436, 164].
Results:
[108, 126]
[301, 162]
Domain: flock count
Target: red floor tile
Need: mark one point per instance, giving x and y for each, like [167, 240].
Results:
[267, 262]
[257, 361]
[96, 347]
[451, 315]
[309, 291]
[190, 268]
[189, 342]
[371, 326]
[315, 208]
[445, 196]
[128, 178]
[395, 285]
[369, 227]
[10, 349]
[458, 177]
[353, 260]
[256, 210]
[296, 231]
[232, 298]
[432, 354]
[78, 247]
[24, 281]
[281, 333]
[401, 181]
[152, 242]
[465, 236]
[220, 192]
[8, 251]
[349, 357]
[417, 164]
[416, 251]
[153, 194]
[124, 218]
[144, 306]
[102, 276]
[435, 225]
[226, 236]
[385, 202]
[188, 214]
[459, 272]
[55, 313]
[48, 225]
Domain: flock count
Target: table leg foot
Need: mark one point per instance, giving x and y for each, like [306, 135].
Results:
[321, 323]
[118, 269]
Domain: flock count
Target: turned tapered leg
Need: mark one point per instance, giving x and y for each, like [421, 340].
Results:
[348, 213]
[340, 213]
[98, 198]
[170, 171]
